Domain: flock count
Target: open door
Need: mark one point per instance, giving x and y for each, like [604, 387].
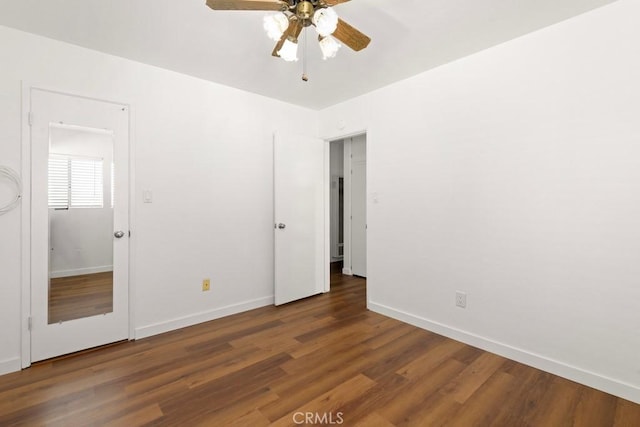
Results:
[299, 214]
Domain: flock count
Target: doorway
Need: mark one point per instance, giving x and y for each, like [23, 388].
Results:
[348, 225]
[79, 250]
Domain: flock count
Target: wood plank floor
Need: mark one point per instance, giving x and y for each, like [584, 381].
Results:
[325, 359]
[81, 296]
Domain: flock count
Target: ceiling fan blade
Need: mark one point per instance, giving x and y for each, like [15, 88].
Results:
[247, 4]
[294, 30]
[350, 36]
[334, 2]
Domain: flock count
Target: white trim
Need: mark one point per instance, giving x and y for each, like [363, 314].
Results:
[327, 217]
[204, 316]
[582, 376]
[362, 272]
[347, 271]
[25, 226]
[81, 271]
[338, 137]
[9, 365]
[346, 239]
[132, 222]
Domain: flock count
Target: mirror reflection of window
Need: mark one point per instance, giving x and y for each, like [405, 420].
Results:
[75, 182]
[80, 201]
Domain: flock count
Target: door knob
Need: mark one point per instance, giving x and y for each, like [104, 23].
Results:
[119, 234]
[281, 226]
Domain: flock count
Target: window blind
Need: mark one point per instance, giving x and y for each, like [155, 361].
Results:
[75, 182]
[58, 182]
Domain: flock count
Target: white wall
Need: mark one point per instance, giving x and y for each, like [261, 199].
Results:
[205, 151]
[514, 175]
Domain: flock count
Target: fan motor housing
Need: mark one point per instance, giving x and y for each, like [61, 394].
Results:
[304, 10]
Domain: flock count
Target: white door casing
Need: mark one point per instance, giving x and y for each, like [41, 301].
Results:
[299, 213]
[50, 340]
[359, 206]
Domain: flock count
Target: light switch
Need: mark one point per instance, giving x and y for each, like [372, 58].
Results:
[147, 196]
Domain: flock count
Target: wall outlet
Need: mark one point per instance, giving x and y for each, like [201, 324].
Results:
[461, 299]
[206, 284]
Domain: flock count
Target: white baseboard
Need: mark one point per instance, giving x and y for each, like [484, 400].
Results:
[347, 271]
[205, 316]
[10, 365]
[81, 271]
[591, 379]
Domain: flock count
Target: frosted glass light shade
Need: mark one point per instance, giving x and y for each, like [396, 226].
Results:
[329, 47]
[289, 51]
[275, 25]
[325, 20]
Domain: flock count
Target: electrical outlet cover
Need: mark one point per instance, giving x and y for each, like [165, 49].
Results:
[461, 299]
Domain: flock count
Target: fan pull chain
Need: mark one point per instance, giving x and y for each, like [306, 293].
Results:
[304, 56]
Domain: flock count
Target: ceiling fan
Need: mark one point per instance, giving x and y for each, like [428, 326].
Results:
[294, 15]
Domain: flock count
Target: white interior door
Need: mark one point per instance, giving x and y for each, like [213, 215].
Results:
[79, 223]
[359, 206]
[299, 214]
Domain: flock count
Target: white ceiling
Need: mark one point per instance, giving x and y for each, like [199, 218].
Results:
[231, 48]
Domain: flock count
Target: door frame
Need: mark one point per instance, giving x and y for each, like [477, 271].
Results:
[347, 206]
[25, 219]
[350, 162]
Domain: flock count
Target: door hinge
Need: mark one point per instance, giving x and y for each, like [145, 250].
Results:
[129, 233]
[30, 118]
[29, 322]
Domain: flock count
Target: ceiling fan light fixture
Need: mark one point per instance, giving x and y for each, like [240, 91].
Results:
[289, 18]
[289, 50]
[275, 25]
[325, 21]
[329, 47]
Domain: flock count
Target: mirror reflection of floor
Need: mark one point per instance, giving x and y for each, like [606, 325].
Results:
[76, 297]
